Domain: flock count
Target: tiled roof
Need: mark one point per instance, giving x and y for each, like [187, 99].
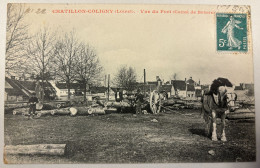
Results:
[238, 88]
[30, 85]
[179, 84]
[166, 88]
[72, 86]
[15, 90]
[98, 89]
[152, 83]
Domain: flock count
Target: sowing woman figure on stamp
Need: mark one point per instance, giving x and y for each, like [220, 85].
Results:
[229, 29]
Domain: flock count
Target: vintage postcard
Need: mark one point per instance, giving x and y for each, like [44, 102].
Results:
[111, 83]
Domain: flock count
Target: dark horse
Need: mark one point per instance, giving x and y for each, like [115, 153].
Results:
[217, 103]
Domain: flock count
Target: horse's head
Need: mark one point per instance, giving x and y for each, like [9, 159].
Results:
[229, 98]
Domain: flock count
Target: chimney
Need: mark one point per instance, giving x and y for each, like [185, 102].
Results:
[13, 77]
[105, 82]
[158, 78]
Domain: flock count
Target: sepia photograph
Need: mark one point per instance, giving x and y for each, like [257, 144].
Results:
[128, 84]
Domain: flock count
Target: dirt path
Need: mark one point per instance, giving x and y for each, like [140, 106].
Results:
[127, 138]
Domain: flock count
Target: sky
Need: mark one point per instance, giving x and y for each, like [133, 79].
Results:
[162, 43]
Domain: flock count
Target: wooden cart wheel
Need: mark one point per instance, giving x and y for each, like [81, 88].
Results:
[155, 102]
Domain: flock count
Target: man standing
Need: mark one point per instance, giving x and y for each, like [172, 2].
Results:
[119, 95]
[139, 99]
[32, 101]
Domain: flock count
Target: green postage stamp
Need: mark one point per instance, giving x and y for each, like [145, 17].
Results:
[232, 32]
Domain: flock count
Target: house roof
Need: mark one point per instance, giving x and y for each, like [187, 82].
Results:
[166, 88]
[98, 89]
[238, 88]
[190, 81]
[179, 84]
[30, 85]
[190, 87]
[72, 86]
[153, 83]
[15, 90]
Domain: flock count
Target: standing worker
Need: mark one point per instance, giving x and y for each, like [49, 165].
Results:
[119, 95]
[139, 99]
[32, 101]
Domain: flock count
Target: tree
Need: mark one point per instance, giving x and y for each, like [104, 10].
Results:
[126, 78]
[64, 61]
[16, 38]
[40, 53]
[87, 66]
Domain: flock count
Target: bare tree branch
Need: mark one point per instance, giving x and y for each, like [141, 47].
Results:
[16, 38]
[87, 66]
[126, 78]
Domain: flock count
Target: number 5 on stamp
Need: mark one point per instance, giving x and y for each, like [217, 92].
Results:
[231, 32]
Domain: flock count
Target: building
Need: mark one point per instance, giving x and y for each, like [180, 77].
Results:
[169, 89]
[190, 91]
[13, 92]
[99, 91]
[179, 87]
[244, 92]
[21, 90]
[61, 88]
[186, 88]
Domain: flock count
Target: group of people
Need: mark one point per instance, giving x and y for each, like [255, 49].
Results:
[138, 99]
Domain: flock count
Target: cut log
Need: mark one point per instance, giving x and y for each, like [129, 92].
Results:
[110, 110]
[63, 111]
[39, 106]
[44, 112]
[241, 115]
[117, 104]
[43, 149]
[20, 111]
[180, 102]
[168, 102]
[17, 105]
[86, 110]
[79, 110]
[96, 111]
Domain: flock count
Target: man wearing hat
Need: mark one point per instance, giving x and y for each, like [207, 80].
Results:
[139, 99]
[32, 101]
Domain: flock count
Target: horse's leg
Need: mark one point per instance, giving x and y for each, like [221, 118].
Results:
[214, 126]
[223, 135]
[209, 127]
[207, 120]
